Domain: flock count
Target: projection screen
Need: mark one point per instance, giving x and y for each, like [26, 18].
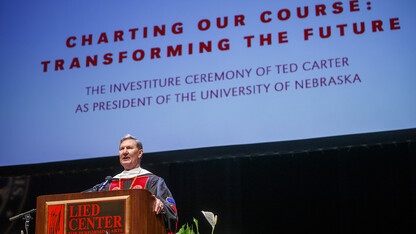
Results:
[78, 75]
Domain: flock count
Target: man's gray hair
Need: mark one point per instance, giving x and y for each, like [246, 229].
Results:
[128, 136]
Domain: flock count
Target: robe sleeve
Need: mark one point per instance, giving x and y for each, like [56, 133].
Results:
[157, 186]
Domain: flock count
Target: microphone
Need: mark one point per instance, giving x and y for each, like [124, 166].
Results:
[108, 179]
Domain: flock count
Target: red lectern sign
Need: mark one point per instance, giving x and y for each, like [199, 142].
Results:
[88, 216]
[108, 212]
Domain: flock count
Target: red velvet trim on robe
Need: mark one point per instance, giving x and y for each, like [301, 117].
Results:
[139, 183]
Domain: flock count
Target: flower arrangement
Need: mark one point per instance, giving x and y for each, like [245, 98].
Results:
[209, 216]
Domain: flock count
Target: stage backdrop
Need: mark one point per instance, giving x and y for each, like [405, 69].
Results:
[78, 75]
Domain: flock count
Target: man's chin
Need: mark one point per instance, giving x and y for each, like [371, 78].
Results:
[128, 166]
[125, 164]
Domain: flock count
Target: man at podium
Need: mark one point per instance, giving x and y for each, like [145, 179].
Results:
[135, 177]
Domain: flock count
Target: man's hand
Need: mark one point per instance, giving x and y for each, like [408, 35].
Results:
[157, 205]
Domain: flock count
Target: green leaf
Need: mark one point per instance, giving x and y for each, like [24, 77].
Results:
[196, 224]
[182, 230]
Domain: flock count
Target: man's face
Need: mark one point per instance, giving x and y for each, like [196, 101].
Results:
[129, 154]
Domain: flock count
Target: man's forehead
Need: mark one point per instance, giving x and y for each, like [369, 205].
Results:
[128, 142]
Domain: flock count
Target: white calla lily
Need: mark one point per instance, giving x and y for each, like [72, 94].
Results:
[211, 218]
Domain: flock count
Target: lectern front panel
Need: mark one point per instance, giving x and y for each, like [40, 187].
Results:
[113, 212]
[88, 216]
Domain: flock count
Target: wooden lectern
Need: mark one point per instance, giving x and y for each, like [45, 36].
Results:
[120, 211]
